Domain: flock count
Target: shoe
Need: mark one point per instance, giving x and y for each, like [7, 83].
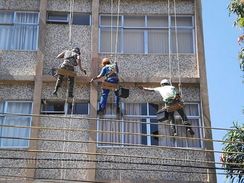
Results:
[100, 112]
[55, 93]
[173, 132]
[190, 131]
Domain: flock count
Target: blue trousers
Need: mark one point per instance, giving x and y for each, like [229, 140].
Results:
[104, 95]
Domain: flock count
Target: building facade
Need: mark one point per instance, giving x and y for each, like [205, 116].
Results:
[43, 137]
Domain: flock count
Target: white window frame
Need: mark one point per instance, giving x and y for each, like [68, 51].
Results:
[65, 111]
[5, 107]
[169, 28]
[14, 23]
[148, 117]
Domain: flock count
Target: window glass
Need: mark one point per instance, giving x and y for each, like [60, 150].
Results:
[78, 108]
[153, 109]
[134, 21]
[79, 19]
[154, 132]
[58, 17]
[158, 41]
[185, 41]
[21, 34]
[106, 21]
[49, 107]
[181, 21]
[157, 21]
[133, 41]
[6, 17]
[16, 108]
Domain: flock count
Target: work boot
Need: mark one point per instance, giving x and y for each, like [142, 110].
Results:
[173, 131]
[190, 131]
[100, 112]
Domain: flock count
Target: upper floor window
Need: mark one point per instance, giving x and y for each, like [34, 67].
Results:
[146, 34]
[60, 107]
[139, 126]
[19, 30]
[9, 135]
[64, 18]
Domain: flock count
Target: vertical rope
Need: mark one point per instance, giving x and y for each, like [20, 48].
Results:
[71, 9]
[177, 50]
[117, 31]
[169, 48]
[111, 24]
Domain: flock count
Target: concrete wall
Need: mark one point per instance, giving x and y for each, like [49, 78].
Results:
[158, 173]
[64, 5]
[75, 166]
[16, 91]
[57, 40]
[17, 65]
[145, 7]
[20, 5]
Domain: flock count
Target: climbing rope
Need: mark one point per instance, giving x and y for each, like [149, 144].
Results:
[71, 21]
[177, 49]
[169, 48]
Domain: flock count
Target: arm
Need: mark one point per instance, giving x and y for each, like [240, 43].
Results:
[102, 73]
[148, 89]
[78, 60]
[61, 55]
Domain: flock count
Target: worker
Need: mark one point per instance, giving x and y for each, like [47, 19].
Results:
[71, 59]
[171, 96]
[110, 72]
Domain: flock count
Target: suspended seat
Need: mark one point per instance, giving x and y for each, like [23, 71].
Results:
[110, 86]
[162, 114]
[66, 72]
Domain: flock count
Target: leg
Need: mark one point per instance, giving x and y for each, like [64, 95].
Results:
[58, 84]
[172, 123]
[117, 100]
[103, 100]
[71, 86]
[185, 121]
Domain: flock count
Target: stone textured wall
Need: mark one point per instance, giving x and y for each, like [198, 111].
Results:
[57, 40]
[190, 94]
[17, 91]
[64, 5]
[81, 92]
[73, 162]
[13, 165]
[17, 65]
[19, 5]
[144, 6]
[149, 67]
[146, 157]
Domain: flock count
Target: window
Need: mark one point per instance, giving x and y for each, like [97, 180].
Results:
[60, 107]
[64, 17]
[13, 107]
[19, 30]
[139, 123]
[146, 34]
[139, 126]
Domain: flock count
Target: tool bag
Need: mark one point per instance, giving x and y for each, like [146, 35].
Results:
[122, 92]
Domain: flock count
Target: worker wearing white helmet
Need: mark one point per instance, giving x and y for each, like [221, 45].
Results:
[170, 96]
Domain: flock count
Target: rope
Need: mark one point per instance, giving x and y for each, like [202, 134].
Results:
[71, 8]
[111, 132]
[124, 144]
[169, 49]
[111, 22]
[105, 119]
[137, 162]
[177, 50]
[117, 32]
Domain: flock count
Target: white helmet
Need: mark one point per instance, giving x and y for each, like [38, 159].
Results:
[165, 82]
